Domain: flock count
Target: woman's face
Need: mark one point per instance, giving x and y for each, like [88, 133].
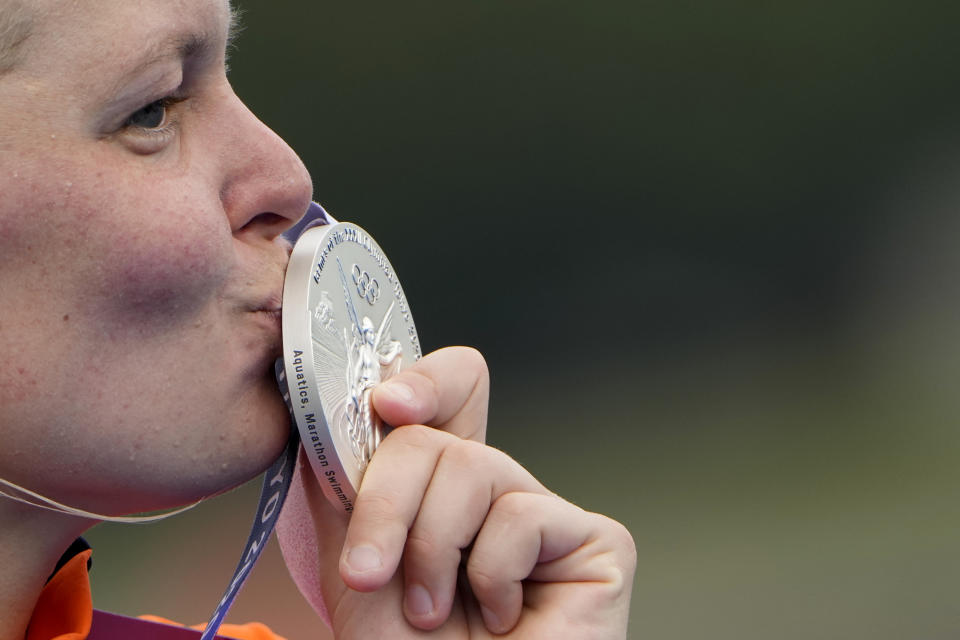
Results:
[140, 268]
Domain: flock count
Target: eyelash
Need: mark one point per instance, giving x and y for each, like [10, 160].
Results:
[167, 126]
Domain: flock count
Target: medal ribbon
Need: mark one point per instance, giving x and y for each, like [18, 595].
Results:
[273, 493]
[276, 481]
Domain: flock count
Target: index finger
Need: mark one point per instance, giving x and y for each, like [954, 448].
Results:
[448, 389]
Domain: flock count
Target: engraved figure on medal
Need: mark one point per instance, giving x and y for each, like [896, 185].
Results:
[365, 354]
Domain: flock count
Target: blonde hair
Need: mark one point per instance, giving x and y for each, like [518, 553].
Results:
[14, 30]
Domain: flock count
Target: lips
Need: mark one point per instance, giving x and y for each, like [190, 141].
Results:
[268, 317]
[271, 305]
[273, 315]
[263, 294]
[270, 308]
[272, 302]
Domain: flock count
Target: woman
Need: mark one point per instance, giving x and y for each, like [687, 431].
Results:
[141, 268]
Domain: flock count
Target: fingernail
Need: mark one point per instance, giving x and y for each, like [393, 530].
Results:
[491, 620]
[399, 390]
[363, 558]
[419, 602]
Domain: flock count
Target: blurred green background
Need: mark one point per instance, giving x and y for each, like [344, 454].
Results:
[710, 252]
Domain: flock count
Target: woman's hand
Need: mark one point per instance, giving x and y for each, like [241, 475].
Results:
[456, 538]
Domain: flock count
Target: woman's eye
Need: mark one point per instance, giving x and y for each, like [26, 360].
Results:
[152, 116]
[153, 126]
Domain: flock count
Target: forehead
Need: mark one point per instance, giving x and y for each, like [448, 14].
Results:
[99, 34]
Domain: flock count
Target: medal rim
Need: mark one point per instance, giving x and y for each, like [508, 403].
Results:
[296, 326]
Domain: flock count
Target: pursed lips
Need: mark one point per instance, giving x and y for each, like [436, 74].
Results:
[268, 305]
[269, 317]
[272, 302]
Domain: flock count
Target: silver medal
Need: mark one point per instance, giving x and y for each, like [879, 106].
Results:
[346, 327]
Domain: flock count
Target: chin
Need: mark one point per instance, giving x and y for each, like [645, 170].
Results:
[236, 449]
[264, 432]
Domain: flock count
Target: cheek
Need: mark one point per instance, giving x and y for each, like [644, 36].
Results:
[172, 265]
[116, 244]
[158, 254]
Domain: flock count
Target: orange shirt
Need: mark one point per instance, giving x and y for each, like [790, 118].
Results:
[65, 609]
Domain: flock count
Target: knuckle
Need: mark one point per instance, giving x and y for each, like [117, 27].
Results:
[377, 507]
[424, 553]
[413, 436]
[478, 365]
[467, 456]
[477, 362]
[422, 382]
[622, 554]
[623, 543]
[510, 506]
[421, 543]
[469, 359]
[483, 580]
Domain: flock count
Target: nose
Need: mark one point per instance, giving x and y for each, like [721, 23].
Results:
[266, 188]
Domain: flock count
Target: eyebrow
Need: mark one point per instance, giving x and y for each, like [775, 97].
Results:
[186, 45]
[15, 25]
[179, 47]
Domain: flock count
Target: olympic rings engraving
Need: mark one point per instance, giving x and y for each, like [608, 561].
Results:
[367, 287]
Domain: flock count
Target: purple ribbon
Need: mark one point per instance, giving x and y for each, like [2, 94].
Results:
[276, 482]
[273, 493]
